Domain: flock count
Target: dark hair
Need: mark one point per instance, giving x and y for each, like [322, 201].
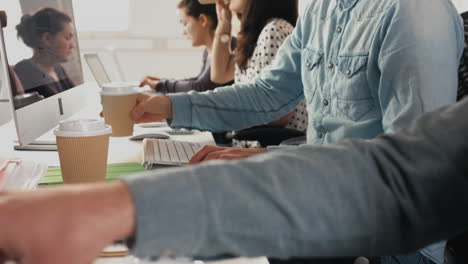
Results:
[194, 9]
[45, 20]
[254, 17]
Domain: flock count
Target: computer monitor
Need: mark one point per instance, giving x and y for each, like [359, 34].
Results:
[41, 65]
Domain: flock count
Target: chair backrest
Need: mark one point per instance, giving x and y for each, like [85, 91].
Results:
[458, 246]
[463, 70]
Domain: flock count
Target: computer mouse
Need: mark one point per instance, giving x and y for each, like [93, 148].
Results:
[149, 135]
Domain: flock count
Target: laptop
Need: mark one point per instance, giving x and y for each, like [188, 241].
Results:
[99, 71]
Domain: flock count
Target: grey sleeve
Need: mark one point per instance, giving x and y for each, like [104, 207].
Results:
[200, 83]
[375, 197]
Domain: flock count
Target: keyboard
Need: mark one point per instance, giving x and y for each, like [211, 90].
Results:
[168, 152]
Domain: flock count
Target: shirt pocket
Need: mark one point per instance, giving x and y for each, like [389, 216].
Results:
[354, 98]
[312, 58]
[310, 71]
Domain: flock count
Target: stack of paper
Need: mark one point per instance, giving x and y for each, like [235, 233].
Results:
[20, 174]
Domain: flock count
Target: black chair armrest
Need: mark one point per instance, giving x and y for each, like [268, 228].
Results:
[267, 135]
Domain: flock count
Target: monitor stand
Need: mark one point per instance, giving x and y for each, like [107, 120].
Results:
[39, 145]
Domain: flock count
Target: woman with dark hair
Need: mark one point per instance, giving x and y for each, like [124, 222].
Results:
[265, 25]
[49, 32]
[199, 22]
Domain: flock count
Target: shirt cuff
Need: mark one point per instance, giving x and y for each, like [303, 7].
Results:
[161, 86]
[181, 111]
[163, 203]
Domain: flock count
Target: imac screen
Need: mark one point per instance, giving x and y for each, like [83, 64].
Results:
[41, 48]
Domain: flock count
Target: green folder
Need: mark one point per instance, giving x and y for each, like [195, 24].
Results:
[114, 171]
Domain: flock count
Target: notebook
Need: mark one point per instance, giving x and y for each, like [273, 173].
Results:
[114, 171]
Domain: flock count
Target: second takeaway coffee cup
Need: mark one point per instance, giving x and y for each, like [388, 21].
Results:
[83, 146]
[118, 101]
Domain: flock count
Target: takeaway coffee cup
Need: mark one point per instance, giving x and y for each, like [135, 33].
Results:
[83, 145]
[118, 101]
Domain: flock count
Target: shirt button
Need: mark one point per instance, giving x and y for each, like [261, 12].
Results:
[330, 66]
[308, 65]
[325, 102]
[348, 72]
[339, 29]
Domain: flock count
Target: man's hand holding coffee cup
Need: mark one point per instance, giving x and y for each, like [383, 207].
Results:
[152, 108]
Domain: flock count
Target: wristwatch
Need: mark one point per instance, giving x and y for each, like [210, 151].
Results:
[224, 37]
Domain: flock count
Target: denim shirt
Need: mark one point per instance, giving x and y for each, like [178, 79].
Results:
[365, 67]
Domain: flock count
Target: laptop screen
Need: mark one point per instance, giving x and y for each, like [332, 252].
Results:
[97, 68]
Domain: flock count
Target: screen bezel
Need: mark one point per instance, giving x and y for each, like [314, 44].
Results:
[32, 121]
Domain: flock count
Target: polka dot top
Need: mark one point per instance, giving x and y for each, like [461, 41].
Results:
[270, 40]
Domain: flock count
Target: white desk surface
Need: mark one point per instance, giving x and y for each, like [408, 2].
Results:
[120, 150]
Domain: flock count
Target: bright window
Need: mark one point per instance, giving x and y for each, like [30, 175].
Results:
[102, 15]
[462, 5]
[302, 5]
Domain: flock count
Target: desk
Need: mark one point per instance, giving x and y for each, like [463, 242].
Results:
[120, 150]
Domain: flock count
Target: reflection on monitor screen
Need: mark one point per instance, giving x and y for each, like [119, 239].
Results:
[41, 48]
[43, 63]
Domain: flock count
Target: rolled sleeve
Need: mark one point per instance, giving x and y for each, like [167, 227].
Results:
[182, 109]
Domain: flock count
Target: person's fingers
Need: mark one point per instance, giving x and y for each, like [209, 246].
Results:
[139, 111]
[142, 97]
[101, 114]
[152, 78]
[223, 3]
[226, 154]
[222, 9]
[141, 107]
[233, 156]
[203, 152]
[213, 155]
[143, 83]
[148, 118]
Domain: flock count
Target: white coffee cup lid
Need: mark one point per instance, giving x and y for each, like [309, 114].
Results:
[82, 128]
[115, 89]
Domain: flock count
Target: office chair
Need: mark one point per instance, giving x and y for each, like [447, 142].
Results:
[457, 247]
[463, 70]
[267, 135]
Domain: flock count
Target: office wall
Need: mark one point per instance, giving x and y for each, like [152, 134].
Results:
[153, 43]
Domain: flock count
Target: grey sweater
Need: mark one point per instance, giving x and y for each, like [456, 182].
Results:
[202, 82]
[389, 195]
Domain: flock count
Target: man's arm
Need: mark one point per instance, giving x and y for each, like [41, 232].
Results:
[69, 224]
[386, 196]
[278, 90]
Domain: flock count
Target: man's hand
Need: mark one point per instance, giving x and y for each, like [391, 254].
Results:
[65, 224]
[151, 81]
[214, 152]
[152, 108]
